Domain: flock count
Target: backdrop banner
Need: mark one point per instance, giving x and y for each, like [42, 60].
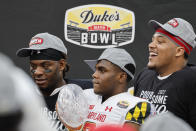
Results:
[87, 27]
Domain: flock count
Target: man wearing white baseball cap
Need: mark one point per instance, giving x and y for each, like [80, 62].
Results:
[109, 101]
[169, 81]
[48, 67]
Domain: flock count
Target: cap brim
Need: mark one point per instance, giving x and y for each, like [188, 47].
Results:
[24, 52]
[155, 24]
[91, 63]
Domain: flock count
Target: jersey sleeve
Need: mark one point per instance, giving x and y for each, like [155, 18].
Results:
[139, 113]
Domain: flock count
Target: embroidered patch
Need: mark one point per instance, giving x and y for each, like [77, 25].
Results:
[173, 23]
[35, 41]
[123, 104]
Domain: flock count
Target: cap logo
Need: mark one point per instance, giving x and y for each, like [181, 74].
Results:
[173, 23]
[35, 41]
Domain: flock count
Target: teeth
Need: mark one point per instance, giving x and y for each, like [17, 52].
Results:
[153, 54]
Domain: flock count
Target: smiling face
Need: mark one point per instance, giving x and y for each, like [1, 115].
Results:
[47, 74]
[162, 53]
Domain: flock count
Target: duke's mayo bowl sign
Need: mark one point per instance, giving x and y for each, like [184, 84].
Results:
[99, 26]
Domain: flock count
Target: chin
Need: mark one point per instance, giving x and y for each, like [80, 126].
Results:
[43, 88]
[97, 91]
[151, 66]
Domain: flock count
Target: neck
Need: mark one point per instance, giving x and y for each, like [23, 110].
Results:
[178, 65]
[61, 83]
[49, 90]
[119, 89]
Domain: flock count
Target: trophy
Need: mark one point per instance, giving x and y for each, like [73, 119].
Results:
[72, 106]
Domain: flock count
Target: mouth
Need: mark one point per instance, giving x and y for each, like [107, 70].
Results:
[40, 81]
[152, 54]
[95, 82]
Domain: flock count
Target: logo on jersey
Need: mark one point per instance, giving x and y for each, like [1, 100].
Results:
[139, 112]
[35, 41]
[123, 104]
[99, 26]
[97, 116]
[91, 107]
[108, 108]
[173, 23]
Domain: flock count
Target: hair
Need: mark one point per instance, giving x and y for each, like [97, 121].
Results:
[186, 55]
[67, 68]
[131, 68]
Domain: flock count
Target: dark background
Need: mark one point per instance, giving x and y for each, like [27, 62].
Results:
[22, 19]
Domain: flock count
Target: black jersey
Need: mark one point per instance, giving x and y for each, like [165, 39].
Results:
[50, 111]
[176, 93]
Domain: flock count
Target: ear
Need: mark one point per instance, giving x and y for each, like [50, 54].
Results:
[180, 51]
[122, 77]
[62, 64]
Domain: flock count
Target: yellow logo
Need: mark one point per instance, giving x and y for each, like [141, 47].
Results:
[99, 26]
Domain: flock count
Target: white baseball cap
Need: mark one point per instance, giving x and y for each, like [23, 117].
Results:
[43, 41]
[178, 27]
[117, 56]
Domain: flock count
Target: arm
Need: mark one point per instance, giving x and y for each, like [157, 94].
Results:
[136, 115]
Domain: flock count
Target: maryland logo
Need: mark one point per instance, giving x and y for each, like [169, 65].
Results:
[99, 26]
[137, 114]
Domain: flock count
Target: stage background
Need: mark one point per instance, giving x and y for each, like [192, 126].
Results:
[22, 19]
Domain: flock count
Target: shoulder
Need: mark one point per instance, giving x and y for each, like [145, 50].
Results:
[84, 83]
[89, 91]
[143, 78]
[188, 73]
[91, 96]
[139, 110]
[132, 100]
[190, 68]
[144, 73]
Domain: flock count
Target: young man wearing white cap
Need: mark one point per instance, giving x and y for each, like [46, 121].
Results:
[169, 81]
[48, 65]
[109, 101]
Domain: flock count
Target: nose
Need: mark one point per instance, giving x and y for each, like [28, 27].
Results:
[95, 75]
[152, 44]
[38, 71]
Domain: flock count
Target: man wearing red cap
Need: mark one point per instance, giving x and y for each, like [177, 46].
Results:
[169, 81]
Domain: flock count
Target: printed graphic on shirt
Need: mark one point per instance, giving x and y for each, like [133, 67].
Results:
[158, 99]
[137, 114]
[53, 118]
[100, 117]
[99, 26]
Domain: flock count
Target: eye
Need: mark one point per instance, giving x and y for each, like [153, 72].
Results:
[160, 40]
[46, 65]
[101, 69]
[33, 66]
